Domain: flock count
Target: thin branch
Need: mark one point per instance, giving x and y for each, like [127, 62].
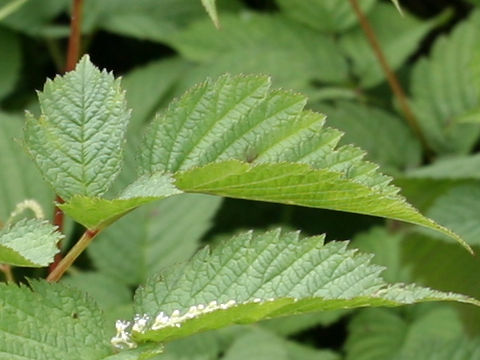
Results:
[72, 255]
[392, 79]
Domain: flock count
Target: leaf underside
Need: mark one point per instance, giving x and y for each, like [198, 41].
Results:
[232, 137]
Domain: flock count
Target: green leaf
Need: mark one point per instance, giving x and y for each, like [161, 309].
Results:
[211, 8]
[98, 213]
[457, 167]
[253, 277]
[10, 7]
[146, 19]
[19, 178]
[10, 61]
[324, 15]
[385, 137]
[32, 323]
[165, 233]
[106, 291]
[29, 242]
[397, 6]
[386, 247]
[460, 348]
[398, 37]
[77, 142]
[459, 209]
[442, 89]
[379, 334]
[34, 17]
[261, 345]
[286, 154]
[300, 184]
[258, 43]
[147, 86]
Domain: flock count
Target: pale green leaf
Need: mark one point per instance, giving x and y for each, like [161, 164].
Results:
[146, 19]
[34, 17]
[442, 89]
[78, 140]
[211, 8]
[113, 296]
[422, 192]
[253, 277]
[237, 117]
[460, 348]
[324, 15]
[19, 178]
[386, 138]
[375, 334]
[261, 345]
[98, 213]
[147, 86]
[107, 291]
[165, 233]
[29, 242]
[49, 322]
[381, 334]
[398, 7]
[459, 209]
[457, 167]
[11, 7]
[291, 53]
[10, 61]
[398, 37]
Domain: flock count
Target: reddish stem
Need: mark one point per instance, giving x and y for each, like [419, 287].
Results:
[73, 51]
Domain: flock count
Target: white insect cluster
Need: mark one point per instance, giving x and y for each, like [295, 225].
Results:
[142, 323]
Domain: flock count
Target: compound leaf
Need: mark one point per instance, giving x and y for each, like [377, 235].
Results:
[257, 276]
[77, 141]
[52, 322]
[29, 242]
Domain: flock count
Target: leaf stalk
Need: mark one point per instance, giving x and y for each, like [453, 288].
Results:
[72, 255]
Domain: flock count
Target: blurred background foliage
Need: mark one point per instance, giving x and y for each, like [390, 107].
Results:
[317, 47]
